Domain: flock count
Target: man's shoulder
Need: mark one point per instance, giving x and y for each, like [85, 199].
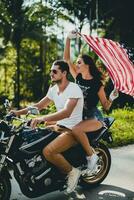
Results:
[72, 84]
[52, 90]
[74, 88]
[53, 87]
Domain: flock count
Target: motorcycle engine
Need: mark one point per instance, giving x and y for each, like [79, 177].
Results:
[37, 172]
[36, 164]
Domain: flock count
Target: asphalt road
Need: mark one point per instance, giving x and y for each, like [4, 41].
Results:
[119, 184]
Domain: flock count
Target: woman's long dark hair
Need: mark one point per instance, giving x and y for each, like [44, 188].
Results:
[92, 67]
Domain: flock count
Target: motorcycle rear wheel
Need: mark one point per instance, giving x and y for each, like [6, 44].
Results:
[5, 188]
[102, 170]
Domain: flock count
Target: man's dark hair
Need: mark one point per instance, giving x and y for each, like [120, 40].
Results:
[63, 66]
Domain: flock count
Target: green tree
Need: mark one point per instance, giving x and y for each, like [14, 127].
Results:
[13, 24]
[19, 22]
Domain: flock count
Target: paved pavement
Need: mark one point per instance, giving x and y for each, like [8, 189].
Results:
[119, 184]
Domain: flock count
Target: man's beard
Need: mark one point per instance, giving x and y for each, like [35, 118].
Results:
[57, 81]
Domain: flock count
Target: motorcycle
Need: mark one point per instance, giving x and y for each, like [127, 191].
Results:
[21, 152]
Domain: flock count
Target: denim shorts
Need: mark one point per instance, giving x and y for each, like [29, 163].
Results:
[93, 113]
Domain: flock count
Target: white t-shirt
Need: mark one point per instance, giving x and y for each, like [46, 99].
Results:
[60, 100]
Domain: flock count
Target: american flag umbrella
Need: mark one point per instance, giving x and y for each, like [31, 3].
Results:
[116, 60]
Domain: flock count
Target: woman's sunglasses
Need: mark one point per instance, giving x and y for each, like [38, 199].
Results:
[54, 71]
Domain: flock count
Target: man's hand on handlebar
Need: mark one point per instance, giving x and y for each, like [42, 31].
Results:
[37, 121]
[10, 116]
[14, 112]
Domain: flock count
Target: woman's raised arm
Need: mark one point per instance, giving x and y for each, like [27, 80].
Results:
[66, 56]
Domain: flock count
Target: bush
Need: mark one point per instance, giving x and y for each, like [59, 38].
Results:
[123, 127]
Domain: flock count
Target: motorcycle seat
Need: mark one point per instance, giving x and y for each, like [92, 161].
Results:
[101, 133]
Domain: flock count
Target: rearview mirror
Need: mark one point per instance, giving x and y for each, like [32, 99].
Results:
[33, 110]
[7, 103]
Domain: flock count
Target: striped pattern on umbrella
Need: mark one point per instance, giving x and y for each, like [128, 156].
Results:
[116, 60]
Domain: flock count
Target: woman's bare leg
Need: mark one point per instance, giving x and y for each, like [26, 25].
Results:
[79, 133]
[53, 150]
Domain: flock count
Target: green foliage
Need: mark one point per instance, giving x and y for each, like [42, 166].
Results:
[29, 44]
[115, 22]
[50, 109]
[7, 72]
[123, 127]
[29, 29]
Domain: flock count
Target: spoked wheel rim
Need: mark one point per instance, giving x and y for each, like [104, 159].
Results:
[5, 188]
[101, 170]
[2, 189]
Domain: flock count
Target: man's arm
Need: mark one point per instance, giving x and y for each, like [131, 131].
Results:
[65, 113]
[43, 103]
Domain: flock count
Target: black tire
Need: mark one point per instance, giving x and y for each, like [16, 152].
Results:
[103, 168]
[5, 188]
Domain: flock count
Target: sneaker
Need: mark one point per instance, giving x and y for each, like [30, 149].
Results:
[92, 162]
[73, 178]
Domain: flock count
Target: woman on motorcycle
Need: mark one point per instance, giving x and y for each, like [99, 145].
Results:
[88, 77]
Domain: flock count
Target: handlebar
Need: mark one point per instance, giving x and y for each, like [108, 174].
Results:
[24, 122]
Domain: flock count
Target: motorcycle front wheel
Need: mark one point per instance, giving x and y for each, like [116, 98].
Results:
[5, 188]
[103, 167]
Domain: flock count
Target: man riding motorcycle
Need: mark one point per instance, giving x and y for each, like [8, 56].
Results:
[68, 99]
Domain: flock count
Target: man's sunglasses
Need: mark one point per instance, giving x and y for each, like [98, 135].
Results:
[54, 71]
